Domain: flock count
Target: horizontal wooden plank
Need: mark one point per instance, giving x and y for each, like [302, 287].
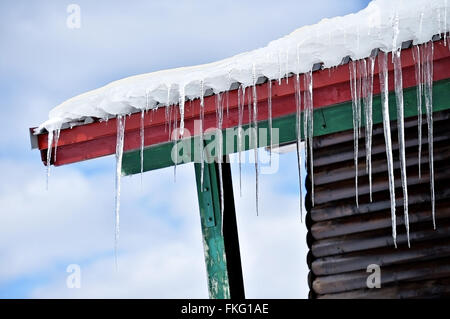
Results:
[379, 238]
[392, 278]
[383, 257]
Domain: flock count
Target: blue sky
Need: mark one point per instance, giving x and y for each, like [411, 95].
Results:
[42, 63]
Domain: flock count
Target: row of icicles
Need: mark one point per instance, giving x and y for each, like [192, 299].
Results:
[361, 85]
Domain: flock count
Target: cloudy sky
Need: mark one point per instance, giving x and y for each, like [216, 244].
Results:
[42, 63]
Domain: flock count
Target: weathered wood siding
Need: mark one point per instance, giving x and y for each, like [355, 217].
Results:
[344, 239]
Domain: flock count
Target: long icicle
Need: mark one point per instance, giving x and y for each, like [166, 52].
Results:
[49, 154]
[384, 87]
[182, 104]
[396, 56]
[269, 110]
[417, 55]
[219, 115]
[175, 134]
[142, 143]
[202, 117]
[298, 126]
[428, 75]
[255, 132]
[241, 104]
[305, 119]
[355, 110]
[57, 135]
[119, 154]
[167, 110]
[369, 119]
[310, 110]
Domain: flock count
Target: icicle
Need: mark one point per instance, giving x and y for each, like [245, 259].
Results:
[175, 142]
[298, 126]
[417, 54]
[57, 134]
[309, 106]
[119, 153]
[384, 87]
[255, 130]
[202, 117]
[228, 92]
[358, 94]
[356, 112]
[182, 102]
[249, 106]
[396, 56]
[169, 120]
[305, 119]
[241, 104]
[219, 145]
[269, 105]
[368, 71]
[428, 88]
[49, 154]
[142, 144]
[362, 65]
[167, 113]
[279, 68]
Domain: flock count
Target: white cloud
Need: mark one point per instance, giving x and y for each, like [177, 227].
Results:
[73, 223]
[160, 247]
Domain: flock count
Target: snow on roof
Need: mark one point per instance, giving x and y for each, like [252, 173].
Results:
[384, 24]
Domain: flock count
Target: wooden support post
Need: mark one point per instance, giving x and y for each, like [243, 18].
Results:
[222, 256]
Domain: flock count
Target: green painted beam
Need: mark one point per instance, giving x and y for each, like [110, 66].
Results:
[213, 241]
[327, 120]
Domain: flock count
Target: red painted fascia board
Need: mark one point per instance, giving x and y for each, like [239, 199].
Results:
[330, 87]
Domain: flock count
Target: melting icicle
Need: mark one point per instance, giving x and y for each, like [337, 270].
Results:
[249, 106]
[428, 88]
[359, 94]
[49, 154]
[241, 104]
[396, 56]
[298, 126]
[228, 92]
[417, 55]
[167, 113]
[255, 130]
[305, 120]
[382, 63]
[279, 68]
[309, 106]
[368, 70]
[142, 143]
[119, 153]
[356, 121]
[219, 145]
[175, 142]
[269, 108]
[57, 134]
[182, 103]
[202, 117]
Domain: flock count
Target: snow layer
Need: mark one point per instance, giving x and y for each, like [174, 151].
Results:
[327, 42]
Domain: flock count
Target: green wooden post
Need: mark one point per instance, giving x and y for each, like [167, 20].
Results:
[222, 255]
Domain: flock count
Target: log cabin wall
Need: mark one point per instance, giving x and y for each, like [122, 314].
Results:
[343, 239]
